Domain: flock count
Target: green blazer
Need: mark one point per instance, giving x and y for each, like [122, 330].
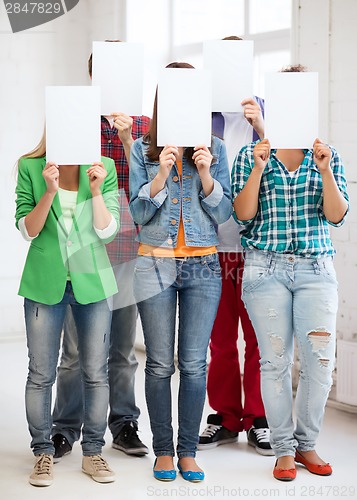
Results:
[55, 255]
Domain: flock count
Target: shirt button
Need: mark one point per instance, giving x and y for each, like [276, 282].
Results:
[169, 241]
[110, 141]
[69, 243]
[174, 200]
[173, 222]
[175, 178]
[291, 259]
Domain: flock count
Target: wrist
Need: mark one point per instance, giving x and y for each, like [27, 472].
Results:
[96, 192]
[50, 194]
[205, 175]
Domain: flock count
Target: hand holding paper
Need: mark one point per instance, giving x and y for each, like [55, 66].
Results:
[322, 155]
[96, 174]
[261, 154]
[253, 114]
[51, 175]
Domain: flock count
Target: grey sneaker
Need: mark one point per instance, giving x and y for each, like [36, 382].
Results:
[96, 467]
[43, 471]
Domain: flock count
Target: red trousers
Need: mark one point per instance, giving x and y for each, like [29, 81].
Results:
[224, 383]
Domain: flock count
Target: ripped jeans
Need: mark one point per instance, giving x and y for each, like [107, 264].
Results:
[289, 296]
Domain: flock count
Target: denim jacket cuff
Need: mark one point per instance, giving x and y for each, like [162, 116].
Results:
[157, 200]
[215, 197]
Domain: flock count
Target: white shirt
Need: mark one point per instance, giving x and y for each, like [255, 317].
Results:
[237, 133]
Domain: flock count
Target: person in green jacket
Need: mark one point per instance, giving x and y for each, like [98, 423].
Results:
[69, 213]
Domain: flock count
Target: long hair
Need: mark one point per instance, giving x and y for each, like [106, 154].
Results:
[153, 151]
[39, 150]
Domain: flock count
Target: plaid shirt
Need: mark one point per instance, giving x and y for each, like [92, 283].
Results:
[124, 247]
[290, 214]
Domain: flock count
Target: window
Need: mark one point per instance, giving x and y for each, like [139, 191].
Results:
[266, 23]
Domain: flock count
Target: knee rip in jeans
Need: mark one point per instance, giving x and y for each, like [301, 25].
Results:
[277, 345]
[320, 339]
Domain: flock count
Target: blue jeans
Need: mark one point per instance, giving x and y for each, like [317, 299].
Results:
[68, 409]
[158, 283]
[44, 325]
[289, 296]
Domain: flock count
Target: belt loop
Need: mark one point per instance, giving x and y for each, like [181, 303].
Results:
[271, 261]
[317, 266]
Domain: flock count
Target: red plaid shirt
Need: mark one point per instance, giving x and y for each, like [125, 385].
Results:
[124, 247]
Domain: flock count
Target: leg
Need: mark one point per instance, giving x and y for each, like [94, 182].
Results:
[43, 329]
[200, 290]
[226, 398]
[122, 368]
[93, 330]
[253, 403]
[158, 315]
[68, 409]
[269, 303]
[315, 310]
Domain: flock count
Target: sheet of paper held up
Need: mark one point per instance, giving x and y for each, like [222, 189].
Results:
[231, 63]
[73, 125]
[118, 69]
[184, 107]
[291, 109]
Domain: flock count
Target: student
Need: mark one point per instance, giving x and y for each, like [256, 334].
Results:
[117, 135]
[68, 212]
[177, 196]
[225, 383]
[286, 199]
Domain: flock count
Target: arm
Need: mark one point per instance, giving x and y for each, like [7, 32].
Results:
[215, 195]
[124, 124]
[167, 159]
[104, 188]
[203, 159]
[142, 205]
[246, 202]
[35, 214]
[253, 114]
[335, 205]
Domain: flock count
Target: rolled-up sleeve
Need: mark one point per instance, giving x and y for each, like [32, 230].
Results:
[340, 178]
[141, 205]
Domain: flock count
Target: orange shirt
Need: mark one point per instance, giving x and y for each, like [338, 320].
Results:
[181, 250]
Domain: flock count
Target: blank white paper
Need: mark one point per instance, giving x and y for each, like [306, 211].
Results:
[184, 107]
[291, 109]
[73, 125]
[118, 69]
[231, 63]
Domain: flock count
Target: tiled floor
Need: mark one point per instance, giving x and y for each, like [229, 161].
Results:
[232, 471]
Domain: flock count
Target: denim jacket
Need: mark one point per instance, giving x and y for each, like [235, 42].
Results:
[160, 216]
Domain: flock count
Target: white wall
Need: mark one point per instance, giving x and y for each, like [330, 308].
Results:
[55, 53]
[325, 39]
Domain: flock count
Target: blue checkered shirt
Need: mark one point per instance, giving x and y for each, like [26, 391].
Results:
[290, 216]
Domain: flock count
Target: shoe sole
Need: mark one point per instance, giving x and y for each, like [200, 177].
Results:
[100, 479]
[139, 452]
[58, 459]
[217, 443]
[39, 482]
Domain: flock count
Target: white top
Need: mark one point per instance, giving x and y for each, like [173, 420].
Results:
[68, 200]
[237, 133]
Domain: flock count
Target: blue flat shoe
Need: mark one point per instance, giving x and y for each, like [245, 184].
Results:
[190, 475]
[164, 475]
